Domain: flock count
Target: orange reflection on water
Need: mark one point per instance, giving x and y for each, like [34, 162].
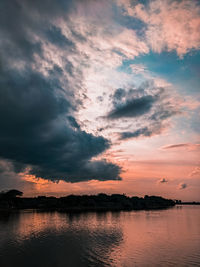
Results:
[143, 238]
[32, 223]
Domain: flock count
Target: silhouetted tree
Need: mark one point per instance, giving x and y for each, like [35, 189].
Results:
[98, 202]
[10, 194]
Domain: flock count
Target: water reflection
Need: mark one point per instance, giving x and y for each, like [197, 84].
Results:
[143, 238]
[57, 239]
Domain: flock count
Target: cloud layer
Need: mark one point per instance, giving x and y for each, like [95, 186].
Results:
[148, 106]
[64, 91]
[188, 146]
[133, 108]
[39, 95]
[170, 25]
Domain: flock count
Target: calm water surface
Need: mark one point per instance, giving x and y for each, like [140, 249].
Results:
[122, 239]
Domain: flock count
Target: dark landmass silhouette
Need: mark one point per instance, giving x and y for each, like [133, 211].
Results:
[12, 200]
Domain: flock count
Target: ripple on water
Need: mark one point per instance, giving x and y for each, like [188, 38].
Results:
[125, 239]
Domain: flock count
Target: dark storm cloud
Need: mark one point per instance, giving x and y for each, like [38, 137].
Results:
[22, 21]
[36, 132]
[38, 126]
[73, 122]
[133, 108]
[15, 24]
[10, 179]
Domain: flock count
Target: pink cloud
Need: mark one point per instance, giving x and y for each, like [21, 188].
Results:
[190, 103]
[171, 25]
[187, 146]
[195, 172]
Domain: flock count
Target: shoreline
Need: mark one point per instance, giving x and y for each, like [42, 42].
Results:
[85, 203]
[80, 210]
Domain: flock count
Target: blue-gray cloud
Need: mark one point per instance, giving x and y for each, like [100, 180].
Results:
[36, 131]
[139, 132]
[148, 105]
[55, 36]
[38, 125]
[133, 108]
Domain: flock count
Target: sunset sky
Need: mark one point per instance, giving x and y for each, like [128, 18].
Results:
[100, 96]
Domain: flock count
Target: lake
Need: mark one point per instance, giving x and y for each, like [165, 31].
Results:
[123, 239]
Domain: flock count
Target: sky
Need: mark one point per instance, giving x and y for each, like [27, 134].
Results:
[100, 96]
